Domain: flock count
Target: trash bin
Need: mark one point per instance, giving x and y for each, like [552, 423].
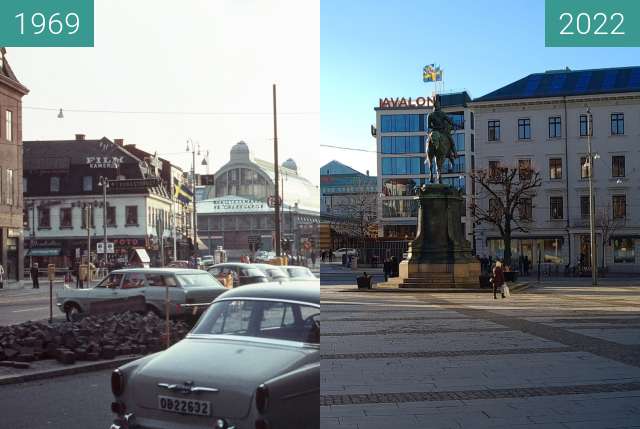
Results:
[364, 282]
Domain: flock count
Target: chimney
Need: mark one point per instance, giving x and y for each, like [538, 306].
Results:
[119, 142]
[80, 137]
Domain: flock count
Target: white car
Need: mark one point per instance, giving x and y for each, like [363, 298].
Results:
[345, 250]
[298, 273]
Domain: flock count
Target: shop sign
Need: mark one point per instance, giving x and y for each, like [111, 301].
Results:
[386, 103]
[13, 232]
[105, 161]
[238, 205]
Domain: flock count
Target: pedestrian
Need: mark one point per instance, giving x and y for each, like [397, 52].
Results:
[521, 264]
[34, 276]
[313, 258]
[497, 279]
[386, 268]
[1, 276]
[228, 281]
[527, 265]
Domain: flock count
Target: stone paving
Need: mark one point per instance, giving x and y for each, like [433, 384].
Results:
[553, 357]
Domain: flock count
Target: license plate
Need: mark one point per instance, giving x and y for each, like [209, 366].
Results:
[184, 406]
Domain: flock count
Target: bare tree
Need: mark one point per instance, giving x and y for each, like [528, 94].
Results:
[509, 195]
[607, 223]
[358, 209]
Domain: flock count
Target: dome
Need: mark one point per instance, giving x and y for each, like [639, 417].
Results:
[290, 164]
[240, 150]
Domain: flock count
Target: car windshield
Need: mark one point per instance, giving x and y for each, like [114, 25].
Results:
[203, 279]
[251, 272]
[262, 319]
[300, 273]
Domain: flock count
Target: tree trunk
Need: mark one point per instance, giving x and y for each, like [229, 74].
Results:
[507, 248]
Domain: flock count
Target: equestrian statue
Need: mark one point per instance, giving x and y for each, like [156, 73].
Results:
[440, 145]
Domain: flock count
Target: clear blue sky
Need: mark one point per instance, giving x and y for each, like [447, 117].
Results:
[372, 49]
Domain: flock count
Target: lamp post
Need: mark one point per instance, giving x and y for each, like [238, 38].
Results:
[193, 148]
[594, 269]
[104, 182]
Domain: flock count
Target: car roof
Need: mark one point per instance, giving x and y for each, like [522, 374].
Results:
[294, 291]
[233, 264]
[158, 270]
[294, 266]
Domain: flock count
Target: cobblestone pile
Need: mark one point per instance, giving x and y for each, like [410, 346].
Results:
[92, 338]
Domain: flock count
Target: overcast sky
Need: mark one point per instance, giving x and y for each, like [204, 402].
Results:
[188, 56]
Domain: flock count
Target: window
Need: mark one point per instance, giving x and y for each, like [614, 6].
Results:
[44, 218]
[525, 209]
[399, 187]
[9, 194]
[456, 167]
[619, 203]
[9, 125]
[111, 282]
[586, 128]
[403, 123]
[65, 218]
[403, 144]
[472, 120]
[524, 169]
[617, 123]
[584, 206]
[617, 166]
[554, 127]
[458, 140]
[161, 280]
[623, 251]
[131, 215]
[494, 131]
[111, 216]
[457, 119]
[584, 168]
[524, 129]
[54, 184]
[473, 143]
[494, 167]
[88, 211]
[495, 208]
[25, 182]
[555, 204]
[555, 168]
[399, 208]
[134, 281]
[87, 183]
[401, 166]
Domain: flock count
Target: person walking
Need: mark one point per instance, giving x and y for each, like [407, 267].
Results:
[1, 276]
[34, 276]
[527, 265]
[497, 279]
[313, 259]
[386, 268]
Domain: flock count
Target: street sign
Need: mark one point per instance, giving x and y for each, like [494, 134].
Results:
[271, 201]
[100, 247]
[111, 248]
[51, 272]
[134, 183]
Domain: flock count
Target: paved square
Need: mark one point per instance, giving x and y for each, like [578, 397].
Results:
[558, 356]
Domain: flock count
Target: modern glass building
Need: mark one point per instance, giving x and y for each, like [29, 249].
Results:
[401, 138]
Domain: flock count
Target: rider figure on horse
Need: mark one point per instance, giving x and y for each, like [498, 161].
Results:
[440, 144]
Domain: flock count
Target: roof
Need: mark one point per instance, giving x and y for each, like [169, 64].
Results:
[337, 168]
[560, 83]
[7, 76]
[73, 152]
[294, 291]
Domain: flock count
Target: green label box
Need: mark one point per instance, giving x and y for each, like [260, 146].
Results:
[46, 23]
[592, 23]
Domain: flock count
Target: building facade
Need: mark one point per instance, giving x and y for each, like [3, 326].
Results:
[11, 202]
[348, 204]
[65, 216]
[401, 134]
[543, 120]
[235, 212]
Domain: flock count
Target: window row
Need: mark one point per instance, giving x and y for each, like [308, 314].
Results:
[406, 187]
[555, 127]
[618, 167]
[403, 123]
[416, 165]
[65, 217]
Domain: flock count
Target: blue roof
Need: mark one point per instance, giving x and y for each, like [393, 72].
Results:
[337, 168]
[559, 83]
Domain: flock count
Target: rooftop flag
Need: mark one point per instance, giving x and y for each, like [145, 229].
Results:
[431, 73]
[182, 193]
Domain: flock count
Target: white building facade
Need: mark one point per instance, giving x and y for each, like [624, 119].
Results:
[543, 121]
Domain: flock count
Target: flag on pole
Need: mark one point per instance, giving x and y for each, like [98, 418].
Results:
[182, 193]
[431, 73]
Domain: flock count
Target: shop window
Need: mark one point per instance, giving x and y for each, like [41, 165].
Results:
[624, 251]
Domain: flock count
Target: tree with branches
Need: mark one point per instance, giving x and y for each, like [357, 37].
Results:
[508, 193]
[607, 223]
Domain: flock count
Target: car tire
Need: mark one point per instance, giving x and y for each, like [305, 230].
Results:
[72, 310]
[154, 310]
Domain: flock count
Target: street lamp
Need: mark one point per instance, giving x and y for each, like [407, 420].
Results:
[104, 182]
[594, 272]
[194, 148]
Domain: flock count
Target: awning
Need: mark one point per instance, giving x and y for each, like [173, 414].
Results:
[44, 251]
[143, 256]
[201, 245]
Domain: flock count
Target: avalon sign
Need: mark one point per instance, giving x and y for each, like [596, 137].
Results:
[104, 161]
[386, 103]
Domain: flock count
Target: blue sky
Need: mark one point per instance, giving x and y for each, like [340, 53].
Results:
[371, 49]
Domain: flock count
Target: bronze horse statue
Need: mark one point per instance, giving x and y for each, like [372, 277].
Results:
[440, 145]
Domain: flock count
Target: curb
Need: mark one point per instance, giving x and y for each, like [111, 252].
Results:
[518, 287]
[60, 372]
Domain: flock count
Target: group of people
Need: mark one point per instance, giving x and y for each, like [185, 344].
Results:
[326, 255]
[390, 267]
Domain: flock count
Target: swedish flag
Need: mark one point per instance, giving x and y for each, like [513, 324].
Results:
[182, 193]
[431, 73]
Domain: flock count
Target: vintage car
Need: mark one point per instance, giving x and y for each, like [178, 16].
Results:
[243, 274]
[275, 273]
[296, 272]
[251, 362]
[185, 286]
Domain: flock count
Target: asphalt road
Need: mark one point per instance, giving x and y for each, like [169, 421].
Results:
[79, 401]
[20, 305]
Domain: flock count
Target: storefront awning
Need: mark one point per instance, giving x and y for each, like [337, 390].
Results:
[201, 245]
[44, 251]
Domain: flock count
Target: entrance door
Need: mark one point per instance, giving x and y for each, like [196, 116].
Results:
[584, 258]
[11, 267]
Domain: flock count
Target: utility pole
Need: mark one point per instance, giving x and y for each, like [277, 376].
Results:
[88, 217]
[277, 175]
[193, 180]
[594, 268]
[105, 185]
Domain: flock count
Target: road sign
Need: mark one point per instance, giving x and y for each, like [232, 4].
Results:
[100, 247]
[271, 201]
[111, 248]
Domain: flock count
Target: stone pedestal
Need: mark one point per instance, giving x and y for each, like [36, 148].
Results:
[440, 256]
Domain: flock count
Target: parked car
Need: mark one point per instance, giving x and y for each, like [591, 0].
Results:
[299, 273]
[252, 361]
[243, 274]
[275, 273]
[186, 286]
[345, 250]
[178, 264]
